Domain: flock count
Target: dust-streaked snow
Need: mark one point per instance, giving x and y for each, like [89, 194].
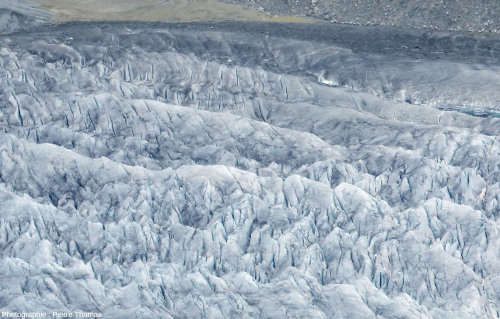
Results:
[16, 15]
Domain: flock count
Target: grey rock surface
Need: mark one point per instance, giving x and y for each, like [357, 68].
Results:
[249, 171]
[475, 16]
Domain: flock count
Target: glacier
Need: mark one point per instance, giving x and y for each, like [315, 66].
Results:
[249, 170]
[19, 15]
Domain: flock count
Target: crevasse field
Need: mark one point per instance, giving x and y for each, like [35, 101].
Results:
[248, 170]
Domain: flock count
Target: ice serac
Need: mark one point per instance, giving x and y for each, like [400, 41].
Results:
[196, 171]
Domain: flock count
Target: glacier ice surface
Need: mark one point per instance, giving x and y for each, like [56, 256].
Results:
[193, 170]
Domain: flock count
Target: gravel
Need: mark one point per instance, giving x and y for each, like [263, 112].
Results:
[475, 16]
